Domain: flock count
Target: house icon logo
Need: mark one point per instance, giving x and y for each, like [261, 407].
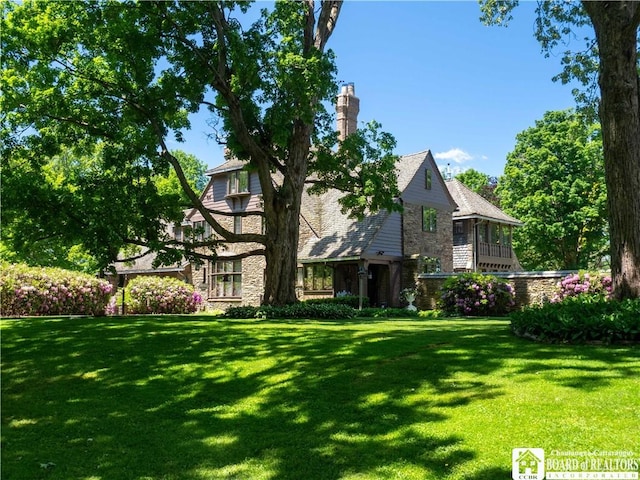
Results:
[527, 464]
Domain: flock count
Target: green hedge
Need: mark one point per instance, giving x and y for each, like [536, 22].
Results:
[387, 313]
[580, 320]
[352, 300]
[299, 310]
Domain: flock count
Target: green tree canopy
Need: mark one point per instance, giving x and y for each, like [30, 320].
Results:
[481, 183]
[612, 58]
[194, 171]
[67, 179]
[124, 77]
[554, 182]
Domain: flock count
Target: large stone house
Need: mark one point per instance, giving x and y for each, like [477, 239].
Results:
[376, 257]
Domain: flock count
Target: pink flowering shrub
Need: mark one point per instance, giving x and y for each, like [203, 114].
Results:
[585, 285]
[26, 291]
[476, 294]
[152, 294]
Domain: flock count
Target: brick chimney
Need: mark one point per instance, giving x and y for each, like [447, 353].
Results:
[347, 108]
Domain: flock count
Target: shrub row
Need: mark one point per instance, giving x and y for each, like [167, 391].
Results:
[476, 294]
[296, 310]
[352, 300]
[580, 319]
[386, 313]
[27, 291]
[153, 294]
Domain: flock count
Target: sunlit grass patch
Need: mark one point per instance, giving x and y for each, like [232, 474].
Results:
[193, 398]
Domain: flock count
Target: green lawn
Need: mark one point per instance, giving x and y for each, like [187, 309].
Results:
[197, 398]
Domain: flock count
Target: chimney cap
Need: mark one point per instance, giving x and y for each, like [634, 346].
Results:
[348, 88]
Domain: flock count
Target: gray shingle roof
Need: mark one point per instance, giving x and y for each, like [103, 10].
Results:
[339, 235]
[343, 237]
[407, 166]
[228, 166]
[472, 205]
[144, 264]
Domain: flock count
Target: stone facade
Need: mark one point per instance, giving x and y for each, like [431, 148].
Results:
[418, 243]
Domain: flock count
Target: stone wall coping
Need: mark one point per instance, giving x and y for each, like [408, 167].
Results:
[532, 274]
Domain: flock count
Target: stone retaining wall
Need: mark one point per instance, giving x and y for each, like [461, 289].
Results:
[531, 287]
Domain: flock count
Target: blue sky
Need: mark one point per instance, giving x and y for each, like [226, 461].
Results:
[436, 78]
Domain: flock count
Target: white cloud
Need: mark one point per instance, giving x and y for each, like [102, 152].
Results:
[454, 155]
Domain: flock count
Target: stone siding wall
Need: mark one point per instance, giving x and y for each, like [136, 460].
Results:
[418, 244]
[531, 287]
[252, 270]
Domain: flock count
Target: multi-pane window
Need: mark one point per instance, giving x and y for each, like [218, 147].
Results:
[226, 278]
[198, 231]
[432, 265]
[495, 233]
[318, 277]
[482, 233]
[427, 179]
[429, 219]
[238, 182]
[237, 225]
[177, 232]
[506, 235]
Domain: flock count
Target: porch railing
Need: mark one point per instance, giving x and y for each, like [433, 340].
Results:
[495, 250]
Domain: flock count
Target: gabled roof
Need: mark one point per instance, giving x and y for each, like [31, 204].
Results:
[472, 205]
[341, 237]
[338, 237]
[228, 166]
[411, 184]
[407, 166]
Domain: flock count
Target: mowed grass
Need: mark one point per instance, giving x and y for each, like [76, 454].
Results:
[195, 398]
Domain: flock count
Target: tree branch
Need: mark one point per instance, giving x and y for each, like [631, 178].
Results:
[327, 21]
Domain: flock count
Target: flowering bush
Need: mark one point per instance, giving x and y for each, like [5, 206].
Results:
[476, 294]
[583, 284]
[151, 294]
[28, 290]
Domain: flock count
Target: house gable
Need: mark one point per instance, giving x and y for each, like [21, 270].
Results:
[412, 179]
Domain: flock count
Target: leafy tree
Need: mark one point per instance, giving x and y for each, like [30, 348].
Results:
[554, 183]
[194, 171]
[24, 238]
[124, 77]
[481, 183]
[613, 58]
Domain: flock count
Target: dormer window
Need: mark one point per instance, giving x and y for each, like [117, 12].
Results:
[238, 183]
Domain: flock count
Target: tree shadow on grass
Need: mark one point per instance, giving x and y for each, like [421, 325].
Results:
[164, 398]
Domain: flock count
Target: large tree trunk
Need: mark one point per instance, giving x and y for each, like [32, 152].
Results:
[616, 28]
[282, 213]
[282, 202]
[281, 251]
